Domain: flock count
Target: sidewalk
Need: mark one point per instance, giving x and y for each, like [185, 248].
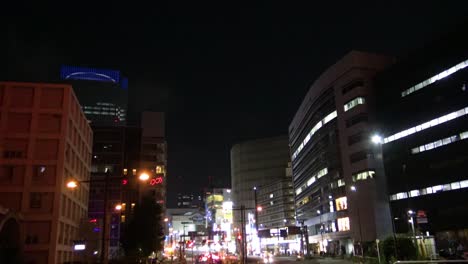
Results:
[319, 260]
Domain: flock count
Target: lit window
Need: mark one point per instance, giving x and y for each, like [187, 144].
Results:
[426, 125]
[435, 78]
[414, 193]
[437, 188]
[311, 181]
[341, 182]
[343, 224]
[353, 103]
[455, 185]
[159, 169]
[332, 209]
[363, 175]
[122, 218]
[341, 203]
[401, 195]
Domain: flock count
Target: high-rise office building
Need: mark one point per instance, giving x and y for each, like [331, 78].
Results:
[276, 215]
[254, 164]
[423, 122]
[339, 184]
[45, 141]
[122, 153]
[102, 93]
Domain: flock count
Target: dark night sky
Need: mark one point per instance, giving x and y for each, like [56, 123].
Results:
[222, 72]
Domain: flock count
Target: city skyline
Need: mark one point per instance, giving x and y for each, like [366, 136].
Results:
[223, 74]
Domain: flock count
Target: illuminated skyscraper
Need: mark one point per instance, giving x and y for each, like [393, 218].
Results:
[102, 93]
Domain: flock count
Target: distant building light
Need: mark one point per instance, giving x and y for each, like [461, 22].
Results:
[79, 245]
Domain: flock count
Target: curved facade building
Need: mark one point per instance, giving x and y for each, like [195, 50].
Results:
[339, 183]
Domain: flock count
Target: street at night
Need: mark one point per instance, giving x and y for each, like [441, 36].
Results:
[193, 132]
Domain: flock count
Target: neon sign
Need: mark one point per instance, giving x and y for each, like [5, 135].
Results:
[156, 181]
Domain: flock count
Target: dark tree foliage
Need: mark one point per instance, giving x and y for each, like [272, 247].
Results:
[406, 249]
[144, 231]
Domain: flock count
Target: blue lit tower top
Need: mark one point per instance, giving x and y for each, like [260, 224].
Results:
[102, 93]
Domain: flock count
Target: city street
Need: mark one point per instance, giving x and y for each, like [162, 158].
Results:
[292, 259]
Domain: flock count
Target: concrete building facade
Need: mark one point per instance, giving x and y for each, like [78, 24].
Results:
[45, 140]
[339, 183]
[254, 164]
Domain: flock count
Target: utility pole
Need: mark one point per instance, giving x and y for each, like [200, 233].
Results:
[104, 245]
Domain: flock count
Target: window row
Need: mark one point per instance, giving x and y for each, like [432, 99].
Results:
[440, 143]
[435, 78]
[430, 190]
[353, 103]
[337, 184]
[364, 175]
[314, 129]
[432, 123]
[312, 180]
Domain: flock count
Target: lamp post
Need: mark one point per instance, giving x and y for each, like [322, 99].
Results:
[377, 140]
[321, 232]
[411, 221]
[73, 184]
[354, 189]
[304, 233]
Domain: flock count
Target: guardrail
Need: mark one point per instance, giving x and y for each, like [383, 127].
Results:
[430, 261]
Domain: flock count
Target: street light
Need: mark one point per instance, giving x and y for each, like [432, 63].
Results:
[118, 207]
[376, 139]
[144, 176]
[411, 221]
[72, 184]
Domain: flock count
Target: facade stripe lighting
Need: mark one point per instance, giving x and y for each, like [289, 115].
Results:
[430, 190]
[426, 125]
[435, 78]
[314, 129]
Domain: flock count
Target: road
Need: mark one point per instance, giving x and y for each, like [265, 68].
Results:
[286, 260]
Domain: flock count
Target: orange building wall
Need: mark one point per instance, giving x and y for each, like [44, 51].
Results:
[45, 141]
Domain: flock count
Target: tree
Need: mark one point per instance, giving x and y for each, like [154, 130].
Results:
[144, 233]
[405, 248]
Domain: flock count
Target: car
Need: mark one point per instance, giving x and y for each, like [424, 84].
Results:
[209, 257]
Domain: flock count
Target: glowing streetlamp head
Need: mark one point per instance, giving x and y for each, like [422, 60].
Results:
[118, 207]
[318, 211]
[376, 139]
[72, 184]
[259, 208]
[166, 219]
[144, 176]
[353, 188]
[410, 212]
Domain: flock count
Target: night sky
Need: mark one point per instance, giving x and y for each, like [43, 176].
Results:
[222, 72]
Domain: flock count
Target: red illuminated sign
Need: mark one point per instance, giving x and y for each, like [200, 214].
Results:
[125, 181]
[156, 181]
